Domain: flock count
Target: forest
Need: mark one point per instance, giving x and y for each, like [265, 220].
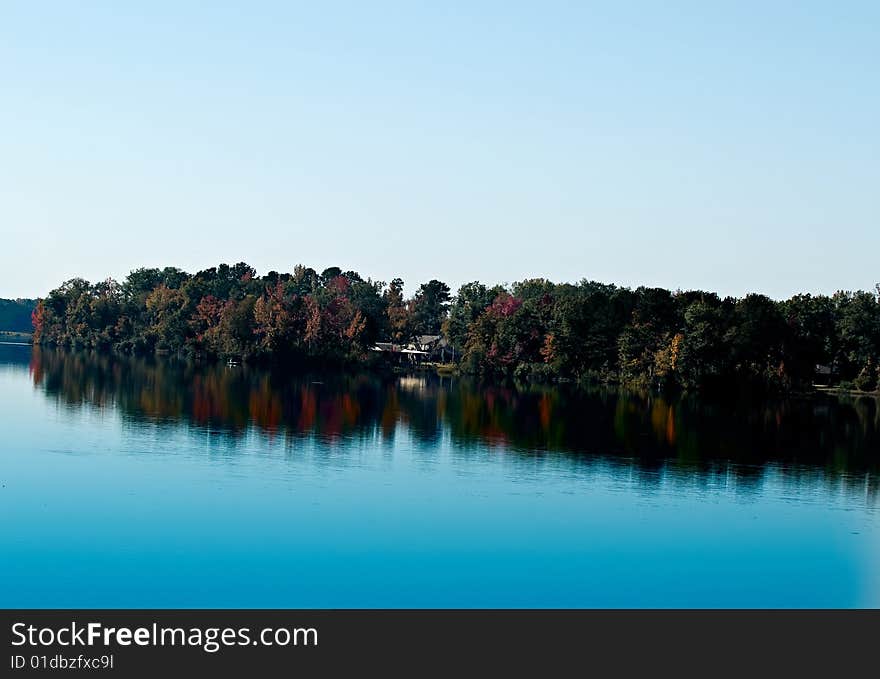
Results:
[529, 330]
[15, 315]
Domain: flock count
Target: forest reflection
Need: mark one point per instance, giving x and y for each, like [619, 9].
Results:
[837, 437]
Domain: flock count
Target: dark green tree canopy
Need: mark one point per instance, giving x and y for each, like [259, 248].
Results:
[430, 305]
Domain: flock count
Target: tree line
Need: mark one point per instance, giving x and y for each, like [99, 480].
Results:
[15, 314]
[533, 329]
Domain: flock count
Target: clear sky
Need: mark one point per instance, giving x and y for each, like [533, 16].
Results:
[730, 146]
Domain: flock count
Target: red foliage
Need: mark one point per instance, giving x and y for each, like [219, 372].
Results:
[38, 320]
[339, 285]
[504, 305]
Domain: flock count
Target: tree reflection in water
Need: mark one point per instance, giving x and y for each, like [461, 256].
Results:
[707, 440]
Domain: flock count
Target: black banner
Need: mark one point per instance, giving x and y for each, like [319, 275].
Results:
[169, 643]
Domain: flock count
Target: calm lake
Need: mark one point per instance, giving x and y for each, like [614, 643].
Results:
[150, 483]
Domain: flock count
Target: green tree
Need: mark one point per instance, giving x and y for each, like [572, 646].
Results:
[471, 300]
[430, 305]
[168, 313]
[757, 340]
[702, 355]
[811, 323]
[655, 321]
[397, 312]
[858, 331]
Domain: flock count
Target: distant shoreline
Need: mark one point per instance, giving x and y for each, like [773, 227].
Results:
[15, 337]
[842, 391]
[530, 330]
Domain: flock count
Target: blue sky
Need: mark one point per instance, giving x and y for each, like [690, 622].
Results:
[723, 146]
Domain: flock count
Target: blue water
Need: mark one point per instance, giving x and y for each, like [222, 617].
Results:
[134, 493]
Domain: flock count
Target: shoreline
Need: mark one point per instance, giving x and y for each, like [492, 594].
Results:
[840, 391]
[12, 337]
[450, 370]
